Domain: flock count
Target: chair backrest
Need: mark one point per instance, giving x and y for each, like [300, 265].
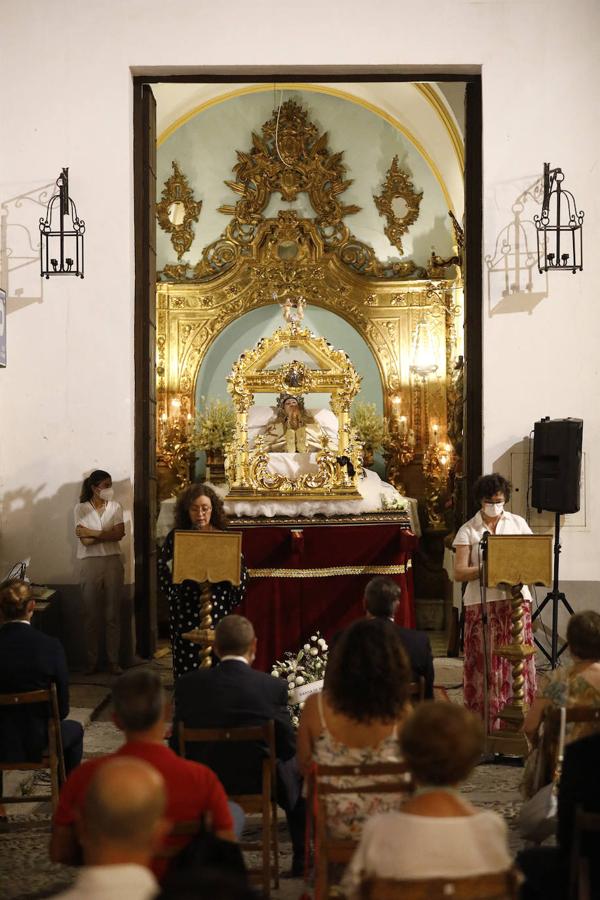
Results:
[550, 732]
[328, 781]
[44, 695]
[399, 782]
[389, 778]
[574, 714]
[240, 734]
[495, 886]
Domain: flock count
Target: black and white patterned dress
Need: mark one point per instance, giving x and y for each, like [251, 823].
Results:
[184, 608]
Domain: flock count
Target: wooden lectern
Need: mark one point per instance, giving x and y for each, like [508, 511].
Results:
[512, 561]
[206, 557]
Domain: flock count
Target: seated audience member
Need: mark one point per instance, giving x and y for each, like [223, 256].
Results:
[234, 694]
[120, 828]
[546, 869]
[357, 717]
[575, 685]
[192, 790]
[381, 601]
[30, 661]
[436, 833]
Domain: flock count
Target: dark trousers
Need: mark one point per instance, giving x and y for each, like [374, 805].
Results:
[72, 740]
[290, 799]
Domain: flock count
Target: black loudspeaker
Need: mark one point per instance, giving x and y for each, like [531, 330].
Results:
[556, 477]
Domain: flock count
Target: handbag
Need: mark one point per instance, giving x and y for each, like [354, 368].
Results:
[538, 816]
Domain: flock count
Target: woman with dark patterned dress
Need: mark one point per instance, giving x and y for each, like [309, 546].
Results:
[198, 508]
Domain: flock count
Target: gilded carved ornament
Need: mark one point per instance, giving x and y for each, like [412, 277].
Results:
[247, 467]
[398, 203]
[177, 210]
[290, 157]
[437, 265]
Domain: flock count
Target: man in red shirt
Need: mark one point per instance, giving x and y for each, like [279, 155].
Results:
[192, 789]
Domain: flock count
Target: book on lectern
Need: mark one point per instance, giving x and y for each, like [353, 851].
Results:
[207, 556]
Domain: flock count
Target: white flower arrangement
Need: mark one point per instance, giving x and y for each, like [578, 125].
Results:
[395, 502]
[301, 669]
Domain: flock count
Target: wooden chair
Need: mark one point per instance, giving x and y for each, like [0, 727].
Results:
[550, 732]
[416, 690]
[264, 803]
[330, 850]
[586, 824]
[496, 886]
[52, 758]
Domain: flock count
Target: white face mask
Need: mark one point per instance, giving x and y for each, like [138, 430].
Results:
[106, 494]
[492, 510]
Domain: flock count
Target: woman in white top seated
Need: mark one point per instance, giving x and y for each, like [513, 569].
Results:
[437, 833]
[99, 528]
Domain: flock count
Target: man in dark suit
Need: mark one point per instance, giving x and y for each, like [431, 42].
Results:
[546, 869]
[30, 661]
[233, 694]
[382, 596]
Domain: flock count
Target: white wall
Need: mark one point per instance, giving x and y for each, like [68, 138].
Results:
[66, 399]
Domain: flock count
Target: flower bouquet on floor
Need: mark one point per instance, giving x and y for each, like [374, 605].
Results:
[304, 672]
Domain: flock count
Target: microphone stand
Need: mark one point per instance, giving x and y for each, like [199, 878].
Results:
[483, 552]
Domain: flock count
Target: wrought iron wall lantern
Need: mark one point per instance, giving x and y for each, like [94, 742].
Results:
[61, 245]
[559, 228]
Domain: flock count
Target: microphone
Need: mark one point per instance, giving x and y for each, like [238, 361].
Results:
[484, 539]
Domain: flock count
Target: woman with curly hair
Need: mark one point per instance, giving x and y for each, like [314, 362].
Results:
[357, 718]
[198, 508]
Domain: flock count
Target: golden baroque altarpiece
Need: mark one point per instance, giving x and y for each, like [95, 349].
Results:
[257, 261]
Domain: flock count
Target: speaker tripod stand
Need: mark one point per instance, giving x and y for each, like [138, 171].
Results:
[556, 597]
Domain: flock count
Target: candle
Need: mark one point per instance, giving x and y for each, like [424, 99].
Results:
[435, 428]
[402, 421]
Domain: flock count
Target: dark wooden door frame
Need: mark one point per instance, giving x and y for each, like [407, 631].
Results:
[145, 295]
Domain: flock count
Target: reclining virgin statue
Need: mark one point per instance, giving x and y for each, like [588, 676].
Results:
[294, 429]
[290, 459]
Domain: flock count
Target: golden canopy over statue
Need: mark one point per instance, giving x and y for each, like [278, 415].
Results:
[324, 462]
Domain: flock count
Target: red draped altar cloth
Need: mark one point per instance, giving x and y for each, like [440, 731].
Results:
[307, 578]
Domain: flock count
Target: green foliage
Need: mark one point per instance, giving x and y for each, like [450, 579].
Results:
[214, 426]
[368, 424]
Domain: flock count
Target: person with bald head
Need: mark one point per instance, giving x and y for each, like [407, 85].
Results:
[121, 825]
[233, 694]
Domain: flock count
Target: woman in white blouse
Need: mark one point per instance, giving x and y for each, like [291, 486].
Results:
[436, 833]
[491, 492]
[99, 528]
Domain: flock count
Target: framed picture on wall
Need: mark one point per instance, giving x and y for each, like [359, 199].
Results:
[2, 328]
